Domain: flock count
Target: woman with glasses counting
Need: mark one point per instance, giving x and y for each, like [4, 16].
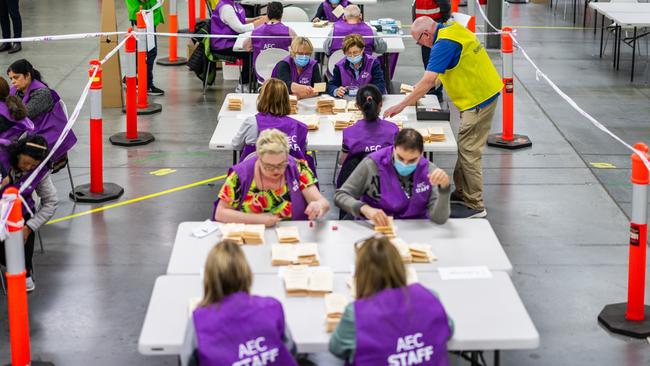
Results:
[270, 186]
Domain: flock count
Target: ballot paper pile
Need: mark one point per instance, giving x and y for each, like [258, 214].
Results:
[325, 104]
[320, 23]
[311, 120]
[405, 88]
[334, 307]
[301, 280]
[340, 106]
[288, 234]
[432, 134]
[235, 102]
[285, 255]
[244, 233]
[293, 104]
[389, 230]
[344, 120]
[414, 253]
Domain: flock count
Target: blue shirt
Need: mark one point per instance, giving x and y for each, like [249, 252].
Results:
[445, 55]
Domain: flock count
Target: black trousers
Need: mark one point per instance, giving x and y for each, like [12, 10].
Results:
[244, 56]
[29, 253]
[10, 8]
[151, 59]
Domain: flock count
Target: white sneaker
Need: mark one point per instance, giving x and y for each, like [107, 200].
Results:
[242, 88]
[29, 284]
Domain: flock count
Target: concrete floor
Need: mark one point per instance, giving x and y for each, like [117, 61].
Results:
[562, 222]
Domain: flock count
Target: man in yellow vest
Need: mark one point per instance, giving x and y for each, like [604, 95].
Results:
[463, 66]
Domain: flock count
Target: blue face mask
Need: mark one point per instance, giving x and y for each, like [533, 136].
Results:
[335, 2]
[355, 60]
[301, 60]
[404, 169]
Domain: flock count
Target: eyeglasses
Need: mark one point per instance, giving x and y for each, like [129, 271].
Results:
[420, 37]
[274, 167]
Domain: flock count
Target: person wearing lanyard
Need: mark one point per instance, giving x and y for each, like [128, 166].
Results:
[463, 66]
[355, 70]
[299, 70]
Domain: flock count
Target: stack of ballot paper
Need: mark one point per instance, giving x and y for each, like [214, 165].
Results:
[432, 134]
[352, 106]
[320, 87]
[285, 255]
[320, 23]
[244, 233]
[343, 120]
[293, 103]
[334, 307]
[403, 249]
[340, 106]
[398, 120]
[405, 88]
[301, 280]
[288, 234]
[311, 120]
[388, 230]
[421, 253]
[325, 104]
[235, 102]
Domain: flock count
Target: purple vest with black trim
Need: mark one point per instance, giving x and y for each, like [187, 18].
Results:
[271, 30]
[342, 29]
[365, 73]
[401, 326]
[18, 128]
[296, 132]
[328, 9]
[50, 124]
[217, 26]
[368, 137]
[302, 78]
[393, 200]
[242, 330]
[246, 173]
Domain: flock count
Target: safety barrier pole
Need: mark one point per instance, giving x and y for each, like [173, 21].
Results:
[191, 15]
[629, 318]
[132, 137]
[202, 9]
[454, 5]
[471, 25]
[507, 139]
[97, 190]
[144, 107]
[173, 59]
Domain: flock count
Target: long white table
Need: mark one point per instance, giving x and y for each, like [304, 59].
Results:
[459, 242]
[487, 313]
[317, 36]
[303, 2]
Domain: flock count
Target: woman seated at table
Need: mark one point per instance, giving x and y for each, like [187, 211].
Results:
[272, 34]
[396, 181]
[355, 70]
[44, 108]
[390, 321]
[17, 163]
[299, 70]
[13, 115]
[353, 24]
[229, 317]
[367, 135]
[270, 186]
[273, 112]
[325, 10]
[229, 18]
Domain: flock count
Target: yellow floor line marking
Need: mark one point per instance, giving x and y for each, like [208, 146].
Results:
[161, 172]
[137, 199]
[603, 165]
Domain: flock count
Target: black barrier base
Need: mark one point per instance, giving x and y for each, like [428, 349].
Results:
[518, 142]
[82, 193]
[517, 1]
[38, 363]
[151, 109]
[165, 61]
[120, 139]
[613, 318]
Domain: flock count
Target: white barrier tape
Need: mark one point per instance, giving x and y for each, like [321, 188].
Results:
[20, 223]
[235, 36]
[6, 204]
[63, 37]
[115, 50]
[571, 102]
[147, 15]
[485, 16]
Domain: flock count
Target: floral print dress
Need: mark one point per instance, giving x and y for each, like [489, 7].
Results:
[274, 201]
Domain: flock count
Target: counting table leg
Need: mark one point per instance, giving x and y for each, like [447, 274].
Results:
[389, 87]
[633, 54]
[619, 37]
[497, 357]
[602, 30]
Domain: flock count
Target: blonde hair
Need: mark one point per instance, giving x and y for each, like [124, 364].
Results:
[378, 267]
[352, 40]
[272, 141]
[274, 98]
[226, 272]
[300, 41]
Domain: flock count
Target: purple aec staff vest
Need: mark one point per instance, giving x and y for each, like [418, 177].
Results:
[328, 8]
[217, 26]
[271, 30]
[242, 330]
[365, 73]
[401, 326]
[342, 29]
[394, 200]
[302, 78]
[246, 172]
[295, 130]
[19, 127]
[50, 124]
[368, 137]
[6, 169]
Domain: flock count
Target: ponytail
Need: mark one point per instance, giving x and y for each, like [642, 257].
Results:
[16, 107]
[369, 102]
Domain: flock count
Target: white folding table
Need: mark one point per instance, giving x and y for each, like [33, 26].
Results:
[459, 242]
